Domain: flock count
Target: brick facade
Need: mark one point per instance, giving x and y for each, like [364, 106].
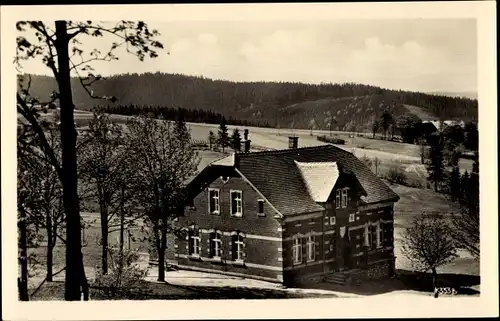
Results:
[338, 234]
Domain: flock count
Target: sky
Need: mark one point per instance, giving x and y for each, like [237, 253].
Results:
[429, 55]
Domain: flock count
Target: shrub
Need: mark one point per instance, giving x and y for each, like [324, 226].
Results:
[124, 274]
[331, 140]
[396, 175]
[367, 161]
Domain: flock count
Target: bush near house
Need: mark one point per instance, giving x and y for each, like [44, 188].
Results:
[331, 140]
[396, 175]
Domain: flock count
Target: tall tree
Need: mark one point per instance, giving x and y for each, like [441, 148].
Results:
[427, 244]
[223, 139]
[163, 161]
[435, 163]
[375, 127]
[52, 45]
[386, 121]
[454, 184]
[102, 166]
[42, 186]
[330, 121]
[236, 140]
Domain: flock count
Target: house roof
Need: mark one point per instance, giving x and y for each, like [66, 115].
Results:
[320, 178]
[294, 187]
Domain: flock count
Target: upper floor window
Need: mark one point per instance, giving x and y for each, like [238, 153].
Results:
[215, 244]
[337, 198]
[352, 217]
[297, 251]
[236, 203]
[194, 241]
[260, 207]
[213, 201]
[345, 198]
[238, 246]
[311, 248]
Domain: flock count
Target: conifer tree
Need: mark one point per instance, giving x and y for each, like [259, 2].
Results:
[454, 184]
[211, 139]
[435, 164]
[236, 140]
[223, 139]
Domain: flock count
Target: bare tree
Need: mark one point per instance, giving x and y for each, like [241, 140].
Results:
[163, 160]
[42, 200]
[427, 244]
[102, 169]
[53, 45]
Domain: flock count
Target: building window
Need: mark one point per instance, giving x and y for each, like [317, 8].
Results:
[311, 248]
[337, 198]
[238, 245]
[260, 207]
[215, 244]
[352, 217]
[297, 251]
[213, 207]
[332, 220]
[236, 203]
[194, 242]
[344, 197]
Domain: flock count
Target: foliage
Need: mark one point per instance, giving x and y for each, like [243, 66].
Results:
[375, 127]
[105, 174]
[386, 121]
[331, 140]
[376, 162]
[367, 161]
[211, 139]
[162, 160]
[272, 103]
[223, 136]
[396, 175]
[465, 223]
[454, 184]
[236, 140]
[125, 274]
[427, 244]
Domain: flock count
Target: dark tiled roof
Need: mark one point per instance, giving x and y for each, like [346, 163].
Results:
[277, 177]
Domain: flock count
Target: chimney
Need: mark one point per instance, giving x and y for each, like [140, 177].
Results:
[246, 144]
[293, 142]
[245, 134]
[236, 160]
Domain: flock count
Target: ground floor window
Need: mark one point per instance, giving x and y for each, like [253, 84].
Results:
[311, 248]
[194, 241]
[215, 244]
[297, 251]
[238, 245]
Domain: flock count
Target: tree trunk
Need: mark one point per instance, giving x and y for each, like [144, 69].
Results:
[105, 237]
[434, 278]
[75, 273]
[50, 248]
[23, 245]
[122, 225]
[161, 255]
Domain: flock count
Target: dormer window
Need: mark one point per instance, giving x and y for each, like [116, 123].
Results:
[345, 199]
[213, 201]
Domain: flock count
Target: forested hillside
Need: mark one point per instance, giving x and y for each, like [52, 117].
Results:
[295, 105]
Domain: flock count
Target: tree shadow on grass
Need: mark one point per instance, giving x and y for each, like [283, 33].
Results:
[406, 281]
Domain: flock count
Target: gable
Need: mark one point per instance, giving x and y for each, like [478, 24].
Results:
[319, 178]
